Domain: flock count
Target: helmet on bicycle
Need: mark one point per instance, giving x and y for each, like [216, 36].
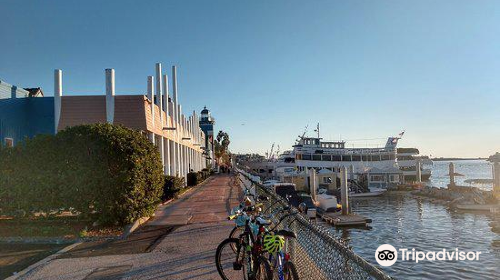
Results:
[272, 243]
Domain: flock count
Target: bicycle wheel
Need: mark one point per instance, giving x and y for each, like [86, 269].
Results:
[235, 233]
[290, 271]
[228, 263]
[263, 269]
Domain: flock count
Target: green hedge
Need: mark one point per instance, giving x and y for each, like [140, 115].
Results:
[110, 173]
[173, 185]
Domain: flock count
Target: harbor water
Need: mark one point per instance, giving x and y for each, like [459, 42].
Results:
[408, 222]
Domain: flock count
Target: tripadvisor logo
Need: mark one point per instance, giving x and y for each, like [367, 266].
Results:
[387, 255]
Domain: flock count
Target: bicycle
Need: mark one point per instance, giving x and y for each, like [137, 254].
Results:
[275, 243]
[248, 261]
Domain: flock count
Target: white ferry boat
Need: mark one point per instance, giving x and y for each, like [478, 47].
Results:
[378, 166]
[407, 161]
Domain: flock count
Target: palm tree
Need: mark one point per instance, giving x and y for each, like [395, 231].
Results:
[221, 145]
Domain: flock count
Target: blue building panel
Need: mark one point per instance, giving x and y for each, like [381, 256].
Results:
[26, 117]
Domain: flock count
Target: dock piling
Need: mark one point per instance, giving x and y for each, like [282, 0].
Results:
[344, 191]
[452, 174]
[419, 171]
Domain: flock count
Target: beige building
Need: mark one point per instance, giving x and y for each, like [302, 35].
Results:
[158, 115]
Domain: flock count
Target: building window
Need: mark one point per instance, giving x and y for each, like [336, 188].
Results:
[394, 178]
[316, 157]
[306, 157]
[376, 178]
[326, 157]
[336, 158]
[356, 158]
[9, 142]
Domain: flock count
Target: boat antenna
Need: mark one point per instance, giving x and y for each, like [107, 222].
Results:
[317, 129]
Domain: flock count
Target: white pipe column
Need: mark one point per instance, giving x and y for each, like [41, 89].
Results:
[110, 95]
[173, 161]
[167, 151]
[191, 163]
[57, 98]
[179, 143]
[151, 98]
[175, 114]
[196, 146]
[159, 97]
[184, 147]
[198, 140]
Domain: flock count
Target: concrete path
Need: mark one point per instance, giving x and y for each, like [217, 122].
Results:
[186, 253]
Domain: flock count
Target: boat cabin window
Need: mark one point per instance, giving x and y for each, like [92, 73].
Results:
[401, 157]
[355, 157]
[375, 158]
[327, 180]
[346, 158]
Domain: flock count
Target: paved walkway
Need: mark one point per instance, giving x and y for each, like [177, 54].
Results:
[186, 253]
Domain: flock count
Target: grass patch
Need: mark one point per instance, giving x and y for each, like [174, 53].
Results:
[53, 228]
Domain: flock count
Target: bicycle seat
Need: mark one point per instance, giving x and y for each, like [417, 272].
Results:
[263, 222]
[286, 233]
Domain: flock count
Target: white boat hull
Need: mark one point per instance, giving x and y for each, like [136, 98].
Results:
[327, 203]
[373, 192]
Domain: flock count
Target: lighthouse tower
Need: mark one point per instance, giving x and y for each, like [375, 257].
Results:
[207, 125]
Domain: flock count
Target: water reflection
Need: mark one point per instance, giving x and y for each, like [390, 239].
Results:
[406, 222]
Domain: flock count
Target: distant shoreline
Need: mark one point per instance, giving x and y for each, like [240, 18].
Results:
[450, 159]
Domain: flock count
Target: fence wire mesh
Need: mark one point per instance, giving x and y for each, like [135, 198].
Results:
[316, 253]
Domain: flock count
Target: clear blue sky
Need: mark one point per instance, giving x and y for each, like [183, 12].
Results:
[266, 69]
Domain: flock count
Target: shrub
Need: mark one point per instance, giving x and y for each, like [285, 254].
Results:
[192, 179]
[173, 185]
[105, 171]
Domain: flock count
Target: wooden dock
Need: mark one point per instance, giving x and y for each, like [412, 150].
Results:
[350, 220]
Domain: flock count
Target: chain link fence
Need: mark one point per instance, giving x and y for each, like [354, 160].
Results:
[316, 253]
